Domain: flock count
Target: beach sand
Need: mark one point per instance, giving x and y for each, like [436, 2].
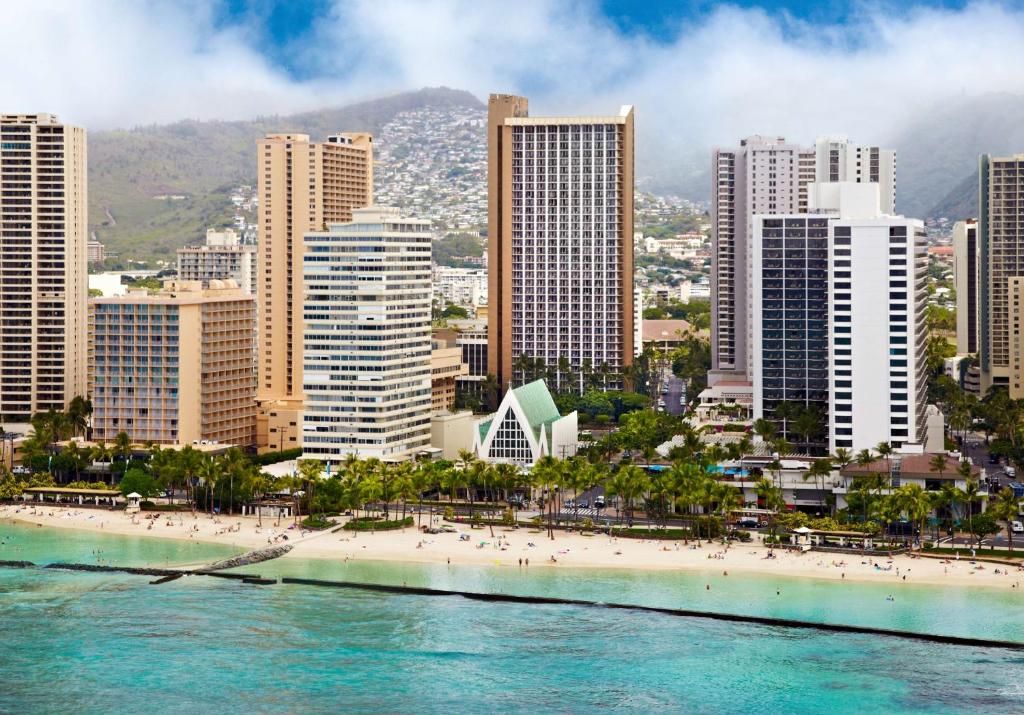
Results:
[567, 550]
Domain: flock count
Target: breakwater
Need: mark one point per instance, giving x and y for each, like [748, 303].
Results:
[711, 615]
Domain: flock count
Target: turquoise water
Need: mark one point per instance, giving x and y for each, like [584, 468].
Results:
[99, 643]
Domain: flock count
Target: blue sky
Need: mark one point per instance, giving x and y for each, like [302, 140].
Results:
[699, 73]
[281, 25]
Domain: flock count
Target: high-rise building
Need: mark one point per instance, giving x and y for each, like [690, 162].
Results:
[769, 176]
[765, 175]
[1000, 258]
[43, 264]
[560, 233]
[303, 186]
[966, 280]
[838, 321]
[222, 257]
[367, 347]
[836, 159]
[176, 366]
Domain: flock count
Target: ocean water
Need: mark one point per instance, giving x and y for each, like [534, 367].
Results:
[106, 643]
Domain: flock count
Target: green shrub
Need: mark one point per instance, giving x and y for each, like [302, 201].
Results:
[741, 535]
[377, 524]
[316, 523]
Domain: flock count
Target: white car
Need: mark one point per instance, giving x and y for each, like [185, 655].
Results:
[1016, 527]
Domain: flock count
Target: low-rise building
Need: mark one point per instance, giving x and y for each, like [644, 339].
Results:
[526, 427]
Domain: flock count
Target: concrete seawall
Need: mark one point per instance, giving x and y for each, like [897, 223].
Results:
[735, 618]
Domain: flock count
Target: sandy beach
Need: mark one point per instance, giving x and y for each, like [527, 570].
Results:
[507, 547]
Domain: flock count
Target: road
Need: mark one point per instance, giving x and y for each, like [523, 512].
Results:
[673, 397]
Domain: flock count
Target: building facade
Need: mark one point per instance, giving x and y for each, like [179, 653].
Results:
[222, 257]
[770, 176]
[175, 367]
[839, 299]
[303, 186]
[560, 232]
[95, 251]
[1001, 258]
[461, 286]
[966, 281]
[367, 346]
[446, 367]
[43, 264]
[526, 427]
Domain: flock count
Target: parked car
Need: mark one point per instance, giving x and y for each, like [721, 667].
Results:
[1016, 527]
[599, 502]
[584, 504]
[1011, 472]
[747, 523]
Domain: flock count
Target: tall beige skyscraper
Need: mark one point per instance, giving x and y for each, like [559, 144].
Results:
[303, 186]
[1000, 247]
[560, 232]
[43, 257]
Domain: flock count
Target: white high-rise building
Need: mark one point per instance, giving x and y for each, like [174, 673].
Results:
[838, 319]
[367, 348]
[769, 176]
[837, 159]
[222, 257]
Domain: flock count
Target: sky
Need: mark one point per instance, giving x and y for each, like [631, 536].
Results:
[698, 72]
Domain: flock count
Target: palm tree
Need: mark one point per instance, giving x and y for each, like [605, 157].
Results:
[915, 501]
[78, 414]
[820, 470]
[785, 411]
[884, 450]
[947, 498]
[1006, 506]
[970, 494]
[490, 391]
[548, 473]
[765, 429]
[122, 446]
[937, 464]
[210, 472]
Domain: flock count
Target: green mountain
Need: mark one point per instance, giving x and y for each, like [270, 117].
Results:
[937, 156]
[153, 189]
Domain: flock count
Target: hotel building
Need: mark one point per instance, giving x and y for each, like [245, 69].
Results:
[838, 319]
[769, 176]
[43, 258]
[176, 366]
[303, 186]
[367, 344]
[1000, 258]
[966, 281]
[560, 232]
[222, 257]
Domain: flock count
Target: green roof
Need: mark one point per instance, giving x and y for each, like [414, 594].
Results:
[537, 404]
[483, 426]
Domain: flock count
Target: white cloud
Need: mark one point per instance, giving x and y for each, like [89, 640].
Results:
[734, 72]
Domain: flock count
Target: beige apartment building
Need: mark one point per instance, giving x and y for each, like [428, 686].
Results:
[446, 367]
[43, 258]
[221, 257]
[560, 233]
[303, 186]
[175, 367]
[1000, 247]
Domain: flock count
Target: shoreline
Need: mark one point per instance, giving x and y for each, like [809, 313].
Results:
[534, 548]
